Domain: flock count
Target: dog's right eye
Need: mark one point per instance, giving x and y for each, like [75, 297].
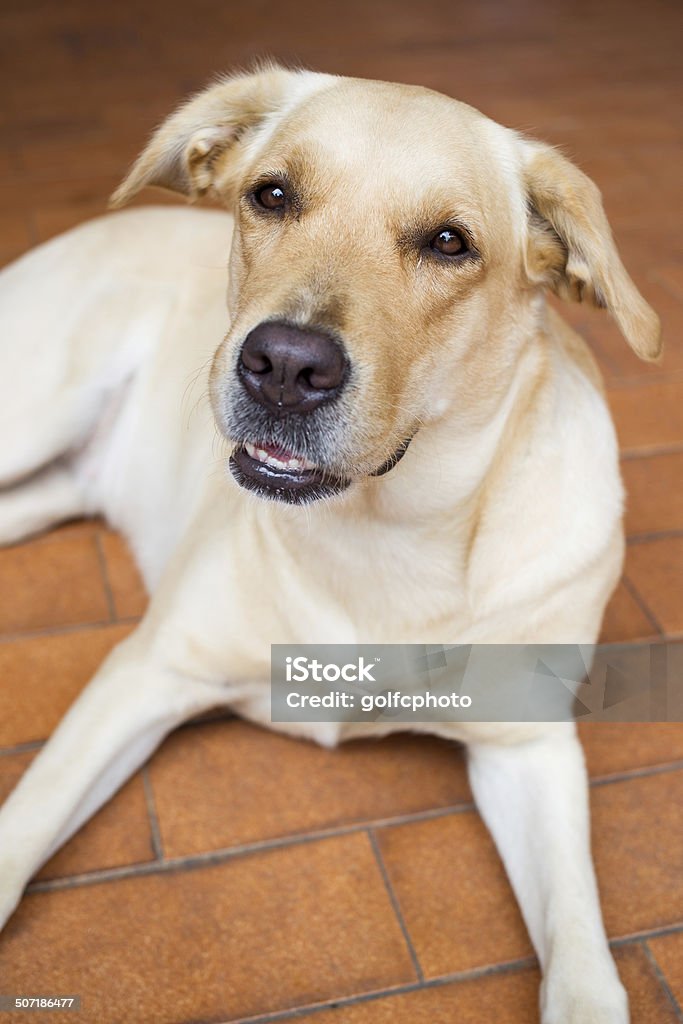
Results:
[270, 197]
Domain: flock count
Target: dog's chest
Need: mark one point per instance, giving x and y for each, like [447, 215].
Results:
[395, 584]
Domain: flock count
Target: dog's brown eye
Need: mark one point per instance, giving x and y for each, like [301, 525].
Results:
[448, 242]
[270, 197]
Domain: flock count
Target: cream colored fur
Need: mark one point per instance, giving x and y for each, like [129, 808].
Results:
[502, 523]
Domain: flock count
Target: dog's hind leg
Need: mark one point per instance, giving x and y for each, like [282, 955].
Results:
[50, 496]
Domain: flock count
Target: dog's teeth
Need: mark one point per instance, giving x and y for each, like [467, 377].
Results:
[294, 464]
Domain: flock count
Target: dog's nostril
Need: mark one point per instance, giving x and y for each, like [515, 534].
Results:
[256, 362]
[286, 368]
[318, 379]
[323, 378]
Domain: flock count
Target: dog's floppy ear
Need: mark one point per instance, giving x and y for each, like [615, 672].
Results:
[571, 249]
[190, 150]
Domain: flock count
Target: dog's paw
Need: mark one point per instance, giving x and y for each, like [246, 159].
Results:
[596, 1004]
[586, 1011]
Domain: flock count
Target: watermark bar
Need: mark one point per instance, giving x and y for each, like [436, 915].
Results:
[477, 682]
[32, 1002]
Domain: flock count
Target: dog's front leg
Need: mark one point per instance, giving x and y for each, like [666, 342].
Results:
[534, 798]
[120, 718]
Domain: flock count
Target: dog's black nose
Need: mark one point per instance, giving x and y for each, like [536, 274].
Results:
[291, 370]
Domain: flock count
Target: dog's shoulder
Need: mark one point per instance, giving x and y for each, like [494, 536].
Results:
[553, 500]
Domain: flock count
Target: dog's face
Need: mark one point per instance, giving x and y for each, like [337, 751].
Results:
[389, 243]
[371, 232]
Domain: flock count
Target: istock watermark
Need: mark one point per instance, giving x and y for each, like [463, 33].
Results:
[477, 682]
[301, 669]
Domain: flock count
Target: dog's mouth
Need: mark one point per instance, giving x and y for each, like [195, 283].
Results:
[274, 472]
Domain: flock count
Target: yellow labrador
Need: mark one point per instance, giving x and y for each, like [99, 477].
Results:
[418, 447]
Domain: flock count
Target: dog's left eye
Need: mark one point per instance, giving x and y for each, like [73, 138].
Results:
[270, 197]
[448, 242]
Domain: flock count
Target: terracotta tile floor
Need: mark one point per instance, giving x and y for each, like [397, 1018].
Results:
[242, 875]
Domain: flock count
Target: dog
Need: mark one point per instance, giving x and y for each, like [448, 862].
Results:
[419, 448]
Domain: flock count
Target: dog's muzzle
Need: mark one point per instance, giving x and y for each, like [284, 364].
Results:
[273, 472]
[291, 379]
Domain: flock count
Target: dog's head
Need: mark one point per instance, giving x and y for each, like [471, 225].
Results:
[389, 249]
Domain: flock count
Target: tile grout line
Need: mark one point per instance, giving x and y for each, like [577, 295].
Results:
[647, 451]
[634, 454]
[644, 772]
[190, 862]
[616, 380]
[642, 604]
[644, 538]
[104, 570]
[636, 642]
[661, 978]
[22, 748]
[155, 831]
[646, 933]
[393, 899]
[65, 630]
[637, 381]
[509, 967]
[223, 854]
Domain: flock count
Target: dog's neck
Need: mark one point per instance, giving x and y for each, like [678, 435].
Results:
[440, 480]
